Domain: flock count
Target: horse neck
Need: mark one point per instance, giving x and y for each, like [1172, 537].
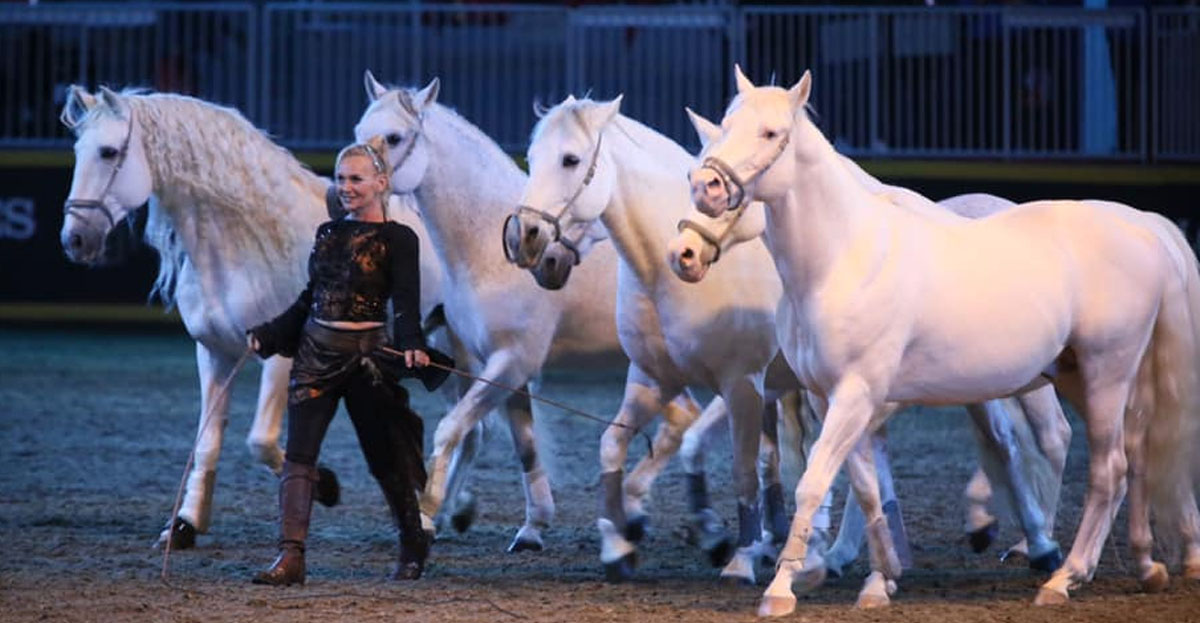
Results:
[825, 214]
[469, 188]
[221, 230]
[648, 199]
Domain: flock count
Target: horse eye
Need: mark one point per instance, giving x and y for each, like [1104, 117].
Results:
[769, 134]
[108, 153]
[393, 139]
[570, 160]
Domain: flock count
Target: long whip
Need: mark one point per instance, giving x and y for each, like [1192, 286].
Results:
[220, 396]
[517, 390]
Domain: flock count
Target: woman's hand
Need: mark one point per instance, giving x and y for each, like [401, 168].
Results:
[252, 342]
[416, 357]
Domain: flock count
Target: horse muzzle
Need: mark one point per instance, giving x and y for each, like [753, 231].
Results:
[554, 267]
[526, 236]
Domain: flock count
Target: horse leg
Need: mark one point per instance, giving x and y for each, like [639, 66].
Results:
[997, 438]
[774, 527]
[461, 508]
[705, 527]
[679, 416]
[195, 512]
[980, 525]
[466, 414]
[745, 418]
[1104, 409]
[887, 495]
[263, 439]
[885, 564]
[1052, 435]
[539, 502]
[1190, 531]
[850, 410]
[642, 400]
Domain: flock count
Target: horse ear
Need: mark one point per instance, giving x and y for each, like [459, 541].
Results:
[375, 90]
[705, 129]
[78, 103]
[428, 95]
[113, 100]
[743, 83]
[800, 91]
[539, 110]
[606, 111]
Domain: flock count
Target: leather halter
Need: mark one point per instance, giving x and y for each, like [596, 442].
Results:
[733, 184]
[74, 206]
[556, 219]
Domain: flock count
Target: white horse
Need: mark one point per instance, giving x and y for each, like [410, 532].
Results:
[1023, 441]
[888, 306]
[465, 186]
[232, 216]
[587, 162]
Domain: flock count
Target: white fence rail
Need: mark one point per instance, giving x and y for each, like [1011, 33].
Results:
[1005, 82]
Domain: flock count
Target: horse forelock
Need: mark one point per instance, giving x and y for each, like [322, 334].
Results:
[220, 180]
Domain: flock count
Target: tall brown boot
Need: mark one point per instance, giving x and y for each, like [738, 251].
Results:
[414, 541]
[295, 506]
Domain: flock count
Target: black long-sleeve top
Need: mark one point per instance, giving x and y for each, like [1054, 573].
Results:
[355, 267]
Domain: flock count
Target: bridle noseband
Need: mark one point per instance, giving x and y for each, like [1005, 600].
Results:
[556, 219]
[734, 184]
[75, 206]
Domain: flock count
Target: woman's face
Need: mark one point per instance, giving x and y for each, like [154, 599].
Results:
[360, 186]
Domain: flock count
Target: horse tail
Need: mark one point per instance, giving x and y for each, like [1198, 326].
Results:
[1172, 429]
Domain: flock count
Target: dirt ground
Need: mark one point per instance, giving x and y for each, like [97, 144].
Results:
[96, 425]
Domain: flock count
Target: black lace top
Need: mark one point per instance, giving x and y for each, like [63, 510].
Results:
[355, 267]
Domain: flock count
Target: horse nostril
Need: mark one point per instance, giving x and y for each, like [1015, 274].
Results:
[551, 263]
[714, 183]
[76, 241]
[688, 254]
[532, 232]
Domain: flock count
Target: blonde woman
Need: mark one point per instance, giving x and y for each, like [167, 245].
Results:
[335, 331]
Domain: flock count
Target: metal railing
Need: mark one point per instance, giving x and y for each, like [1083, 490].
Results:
[958, 82]
[1005, 82]
[210, 50]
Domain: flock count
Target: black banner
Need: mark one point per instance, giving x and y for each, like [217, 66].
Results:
[33, 266]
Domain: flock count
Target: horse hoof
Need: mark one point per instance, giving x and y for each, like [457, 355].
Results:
[1050, 597]
[1192, 571]
[328, 491]
[982, 538]
[463, 517]
[620, 569]
[736, 580]
[720, 552]
[808, 580]
[180, 532]
[1156, 581]
[525, 543]
[872, 600]
[635, 528]
[772, 606]
[1048, 562]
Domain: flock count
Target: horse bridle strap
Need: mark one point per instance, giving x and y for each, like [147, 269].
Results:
[709, 237]
[556, 219]
[733, 181]
[72, 205]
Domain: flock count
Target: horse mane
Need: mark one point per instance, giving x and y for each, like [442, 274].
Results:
[641, 135]
[205, 155]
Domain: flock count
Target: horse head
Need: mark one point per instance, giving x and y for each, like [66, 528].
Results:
[111, 176]
[568, 188]
[740, 159]
[398, 116]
